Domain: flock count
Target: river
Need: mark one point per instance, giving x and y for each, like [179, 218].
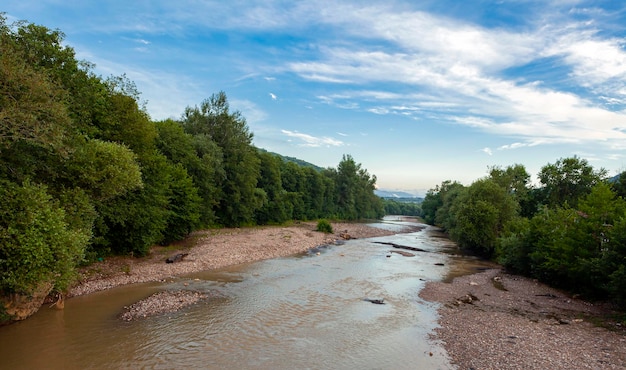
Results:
[301, 312]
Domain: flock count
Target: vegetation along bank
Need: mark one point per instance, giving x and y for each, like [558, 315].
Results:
[86, 174]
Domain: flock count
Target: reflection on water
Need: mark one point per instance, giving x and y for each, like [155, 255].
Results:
[301, 312]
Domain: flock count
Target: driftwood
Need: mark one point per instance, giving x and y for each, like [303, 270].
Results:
[402, 246]
[177, 258]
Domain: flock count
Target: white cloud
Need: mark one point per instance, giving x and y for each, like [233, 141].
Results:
[273, 96]
[488, 151]
[312, 141]
[464, 63]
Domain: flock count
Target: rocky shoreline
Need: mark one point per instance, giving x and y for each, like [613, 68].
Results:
[206, 250]
[493, 320]
[487, 320]
[216, 248]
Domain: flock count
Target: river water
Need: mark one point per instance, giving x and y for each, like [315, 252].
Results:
[300, 312]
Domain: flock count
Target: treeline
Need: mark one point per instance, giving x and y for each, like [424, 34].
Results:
[402, 207]
[85, 172]
[569, 232]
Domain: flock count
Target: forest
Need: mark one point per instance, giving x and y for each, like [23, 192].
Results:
[86, 173]
[569, 231]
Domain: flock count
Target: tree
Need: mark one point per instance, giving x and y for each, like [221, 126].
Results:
[103, 169]
[481, 212]
[239, 198]
[434, 200]
[133, 222]
[293, 182]
[200, 156]
[516, 181]
[567, 180]
[274, 210]
[36, 243]
[184, 205]
[446, 216]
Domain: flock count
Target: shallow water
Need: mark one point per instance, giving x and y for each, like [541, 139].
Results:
[301, 312]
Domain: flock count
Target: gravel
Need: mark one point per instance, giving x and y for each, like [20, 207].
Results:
[162, 302]
[211, 249]
[489, 320]
[214, 249]
[493, 320]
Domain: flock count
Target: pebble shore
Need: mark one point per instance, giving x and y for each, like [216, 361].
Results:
[216, 248]
[210, 249]
[487, 320]
[493, 320]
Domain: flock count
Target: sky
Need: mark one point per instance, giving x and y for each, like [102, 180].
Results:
[417, 92]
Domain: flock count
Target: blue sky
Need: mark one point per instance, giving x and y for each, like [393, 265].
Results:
[418, 92]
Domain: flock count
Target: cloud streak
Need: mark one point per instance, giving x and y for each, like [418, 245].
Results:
[313, 141]
[467, 64]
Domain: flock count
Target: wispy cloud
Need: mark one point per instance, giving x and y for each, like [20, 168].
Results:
[312, 141]
[466, 64]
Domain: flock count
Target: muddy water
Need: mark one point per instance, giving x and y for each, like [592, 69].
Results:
[300, 312]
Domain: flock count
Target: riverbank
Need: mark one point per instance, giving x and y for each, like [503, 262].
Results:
[216, 248]
[493, 320]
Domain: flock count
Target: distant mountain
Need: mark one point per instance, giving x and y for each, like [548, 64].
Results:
[396, 194]
[615, 178]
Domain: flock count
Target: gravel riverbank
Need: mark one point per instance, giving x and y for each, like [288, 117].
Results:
[488, 320]
[493, 320]
[212, 249]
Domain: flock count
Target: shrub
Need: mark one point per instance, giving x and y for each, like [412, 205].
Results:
[36, 244]
[324, 226]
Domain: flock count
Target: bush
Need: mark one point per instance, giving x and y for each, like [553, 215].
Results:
[36, 244]
[324, 226]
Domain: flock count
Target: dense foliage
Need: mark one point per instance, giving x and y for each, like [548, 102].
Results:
[85, 172]
[569, 232]
[402, 207]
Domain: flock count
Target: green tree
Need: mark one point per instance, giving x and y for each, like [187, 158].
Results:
[200, 156]
[36, 244]
[482, 211]
[567, 180]
[516, 181]
[514, 246]
[239, 198]
[293, 182]
[274, 210]
[184, 205]
[434, 200]
[446, 216]
[347, 182]
[133, 222]
[103, 169]
[315, 193]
